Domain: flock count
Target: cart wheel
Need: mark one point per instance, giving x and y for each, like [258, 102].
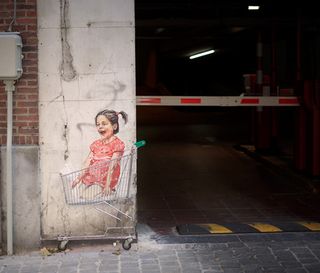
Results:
[62, 246]
[126, 244]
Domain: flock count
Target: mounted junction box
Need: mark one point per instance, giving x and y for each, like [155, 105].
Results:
[10, 56]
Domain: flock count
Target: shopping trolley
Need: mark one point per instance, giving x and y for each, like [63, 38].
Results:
[104, 189]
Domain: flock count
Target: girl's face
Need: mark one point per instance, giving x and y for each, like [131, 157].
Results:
[104, 127]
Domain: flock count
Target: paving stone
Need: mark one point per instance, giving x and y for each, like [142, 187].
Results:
[296, 270]
[285, 256]
[290, 264]
[273, 268]
[167, 253]
[312, 268]
[68, 268]
[306, 261]
[251, 267]
[250, 257]
[171, 270]
[190, 269]
[232, 270]
[109, 268]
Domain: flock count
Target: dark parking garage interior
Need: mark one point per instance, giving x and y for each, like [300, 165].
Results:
[227, 165]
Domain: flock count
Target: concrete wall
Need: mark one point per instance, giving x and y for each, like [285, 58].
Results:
[86, 64]
[26, 197]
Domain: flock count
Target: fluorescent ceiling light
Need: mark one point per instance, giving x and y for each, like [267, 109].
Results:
[253, 7]
[201, 54]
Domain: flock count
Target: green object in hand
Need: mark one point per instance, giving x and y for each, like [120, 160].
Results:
[140, 143]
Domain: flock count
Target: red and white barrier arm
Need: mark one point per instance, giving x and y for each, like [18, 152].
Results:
[217, 101]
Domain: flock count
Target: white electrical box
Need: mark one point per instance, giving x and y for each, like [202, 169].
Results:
[10, 56]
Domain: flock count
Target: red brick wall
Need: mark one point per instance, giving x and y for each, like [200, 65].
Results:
[25, 97]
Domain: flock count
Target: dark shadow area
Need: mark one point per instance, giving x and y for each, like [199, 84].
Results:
[190, 172]
[169, 32]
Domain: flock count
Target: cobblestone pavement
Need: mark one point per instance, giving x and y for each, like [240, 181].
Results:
[275, 253]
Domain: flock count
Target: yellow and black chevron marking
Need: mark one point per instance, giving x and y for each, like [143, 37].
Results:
[253, 227]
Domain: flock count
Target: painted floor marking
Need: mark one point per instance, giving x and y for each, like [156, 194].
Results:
[314, 226]
[263, 227]
[251, 227]
[215, 228]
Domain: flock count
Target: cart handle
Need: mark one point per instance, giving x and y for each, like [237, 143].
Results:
[140, 143]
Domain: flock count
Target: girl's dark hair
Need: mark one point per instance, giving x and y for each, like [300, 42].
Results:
[112, 116]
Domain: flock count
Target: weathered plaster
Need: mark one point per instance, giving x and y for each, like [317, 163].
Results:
[26, 197]
[68, 72]
[86, 64]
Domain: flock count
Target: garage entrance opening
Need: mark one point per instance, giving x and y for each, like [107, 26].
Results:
[190, 173]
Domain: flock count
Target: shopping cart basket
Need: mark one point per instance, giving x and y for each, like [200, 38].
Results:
[105, 187]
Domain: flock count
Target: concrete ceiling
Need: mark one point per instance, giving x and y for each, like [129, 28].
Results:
[175, 29]
[185, 25]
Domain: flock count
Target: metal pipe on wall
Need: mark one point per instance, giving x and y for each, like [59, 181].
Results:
[9, 87]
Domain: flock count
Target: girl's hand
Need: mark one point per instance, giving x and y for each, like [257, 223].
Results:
[75, 182]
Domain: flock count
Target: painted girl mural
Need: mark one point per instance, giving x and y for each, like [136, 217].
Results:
[101, 166]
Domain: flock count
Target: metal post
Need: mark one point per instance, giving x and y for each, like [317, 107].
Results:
[273, 62]
[300, 152]
[315, 141]
[259, 73]
[9, 87]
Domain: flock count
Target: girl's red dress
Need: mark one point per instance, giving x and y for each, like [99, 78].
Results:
[101, 153]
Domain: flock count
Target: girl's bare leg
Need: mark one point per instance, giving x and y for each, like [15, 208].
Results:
[105, 191]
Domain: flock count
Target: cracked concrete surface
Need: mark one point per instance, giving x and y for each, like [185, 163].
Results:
[68, 72]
